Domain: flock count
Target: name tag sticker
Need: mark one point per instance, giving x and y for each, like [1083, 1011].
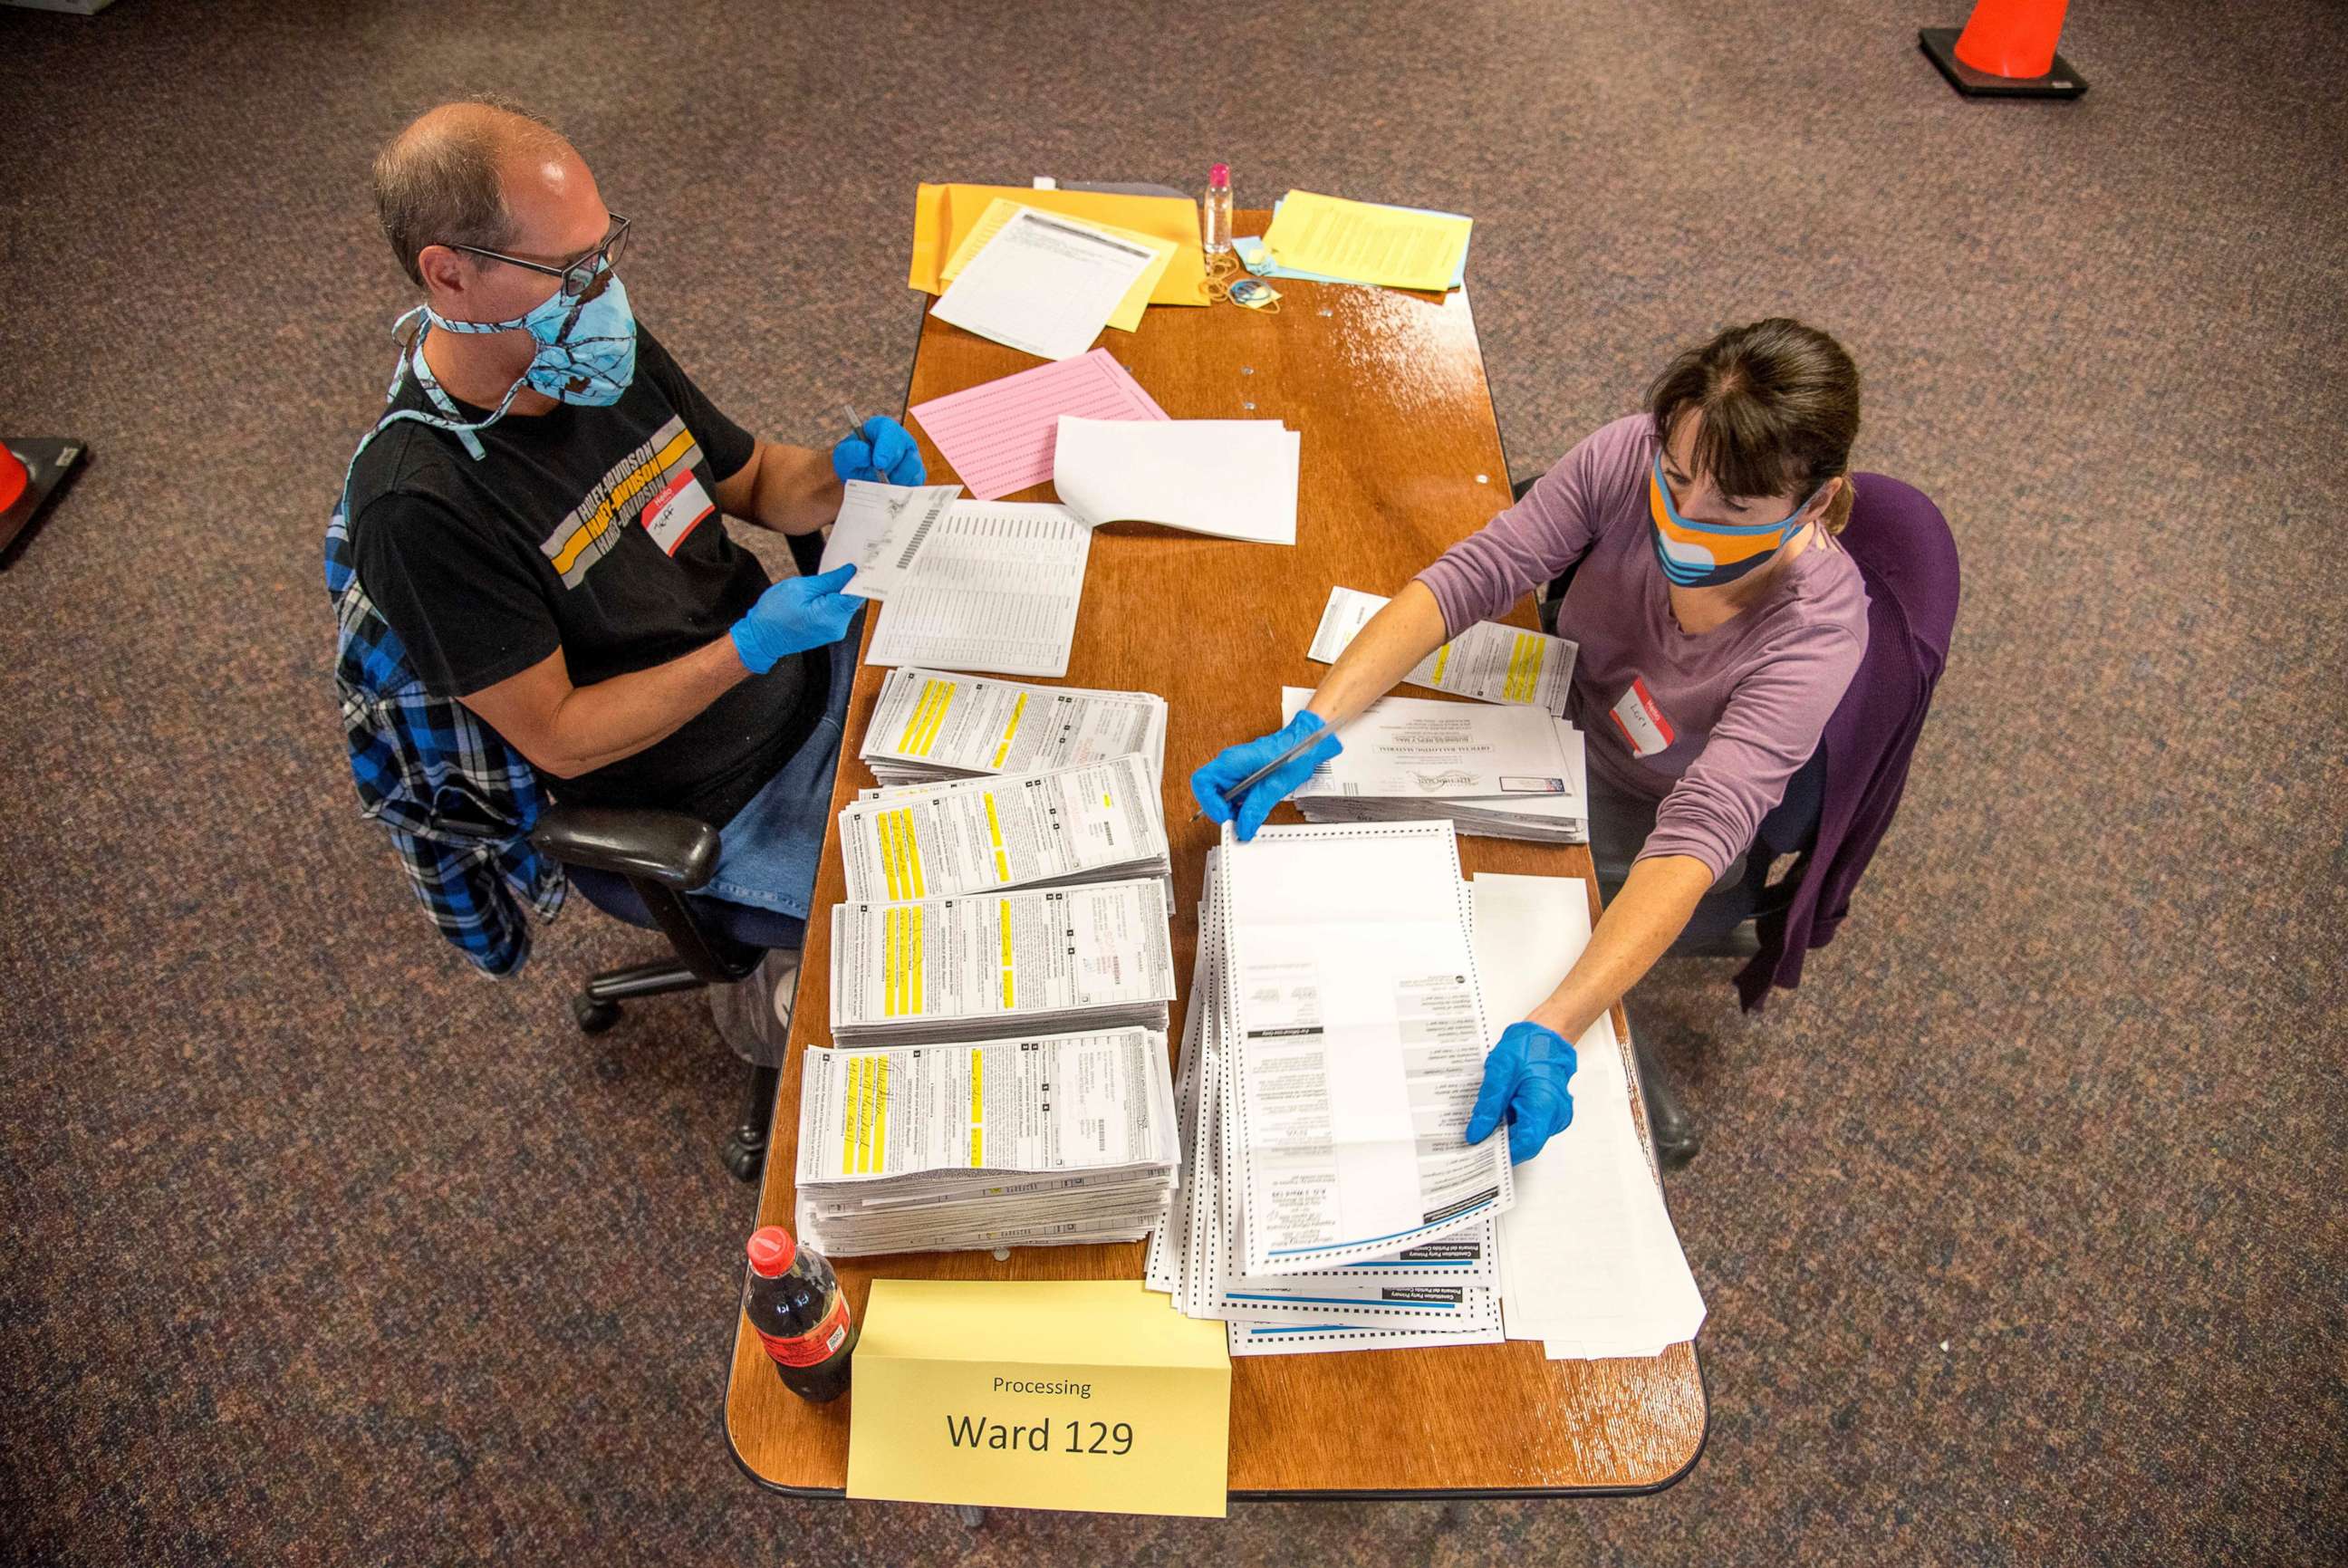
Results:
[1642, 724]
[676, 511]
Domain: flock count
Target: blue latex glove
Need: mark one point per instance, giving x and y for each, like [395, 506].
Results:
[794, 615]
[884, 450]
[1524, 1079]
[1212, 783]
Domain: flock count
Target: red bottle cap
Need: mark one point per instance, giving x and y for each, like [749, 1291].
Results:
[771, 1251]
[1219, 176]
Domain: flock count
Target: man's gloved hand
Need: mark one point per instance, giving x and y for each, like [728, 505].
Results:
[1233, 763]
[1524, 1080]
[884, 450]
[794, 615]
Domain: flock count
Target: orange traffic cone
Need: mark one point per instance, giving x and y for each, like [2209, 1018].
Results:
[2006, 50]
[33, 468]
[13, 477]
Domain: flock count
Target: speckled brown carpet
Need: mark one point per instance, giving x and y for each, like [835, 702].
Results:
[2021, 1224]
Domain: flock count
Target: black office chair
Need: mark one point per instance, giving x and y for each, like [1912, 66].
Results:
[1725, 923]
[642, 866]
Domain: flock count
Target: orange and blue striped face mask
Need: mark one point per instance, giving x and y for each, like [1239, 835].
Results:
[1707, 554]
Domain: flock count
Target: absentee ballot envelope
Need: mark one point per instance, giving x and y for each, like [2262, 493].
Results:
[1084, 1395]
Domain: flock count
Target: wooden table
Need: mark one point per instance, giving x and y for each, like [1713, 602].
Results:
[1401, 457]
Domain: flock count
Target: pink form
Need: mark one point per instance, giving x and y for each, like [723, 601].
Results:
[999, 436]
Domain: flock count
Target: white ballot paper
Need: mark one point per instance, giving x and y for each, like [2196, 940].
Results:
[1590, 1262]
[1359, 1038]
[1093, 823]
[1488, 662]
[879, 530]
[1417, 748]
[1235, 478]
[995, 587]
[992, 963]
[1043, 285]
[935, 724]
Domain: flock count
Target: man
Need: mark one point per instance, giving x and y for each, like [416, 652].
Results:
[536, 516]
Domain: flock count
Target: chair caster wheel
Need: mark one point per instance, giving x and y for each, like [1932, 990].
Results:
[746, 1157]
[1673, 1153]
[594, 1015]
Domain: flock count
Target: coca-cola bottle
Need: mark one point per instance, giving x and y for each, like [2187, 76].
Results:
[800, 1314]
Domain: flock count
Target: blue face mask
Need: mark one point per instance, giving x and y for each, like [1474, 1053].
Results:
[586, 348]
[586, 355]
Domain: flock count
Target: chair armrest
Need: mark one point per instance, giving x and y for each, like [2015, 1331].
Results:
[668, 847]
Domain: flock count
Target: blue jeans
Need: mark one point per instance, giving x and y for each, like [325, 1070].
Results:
[767, 855]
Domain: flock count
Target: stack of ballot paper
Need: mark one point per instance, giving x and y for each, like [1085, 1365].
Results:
[931, 725]
[1235, 478]
[1589, 1263]
[1496, 772]
[1045, 1141]
[1096, 822]
[1330, 1057]
[1488, 662]
[991, 964]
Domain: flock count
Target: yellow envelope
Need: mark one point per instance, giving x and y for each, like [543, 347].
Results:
[1126, 318]
[943, 216]
[1076, 1394]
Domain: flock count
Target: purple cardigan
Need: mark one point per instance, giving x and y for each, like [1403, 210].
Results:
[1908, 560]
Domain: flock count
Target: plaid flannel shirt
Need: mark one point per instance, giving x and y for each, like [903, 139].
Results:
[458, 801]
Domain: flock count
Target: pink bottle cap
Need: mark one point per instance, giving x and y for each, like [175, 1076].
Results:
[1219, 176]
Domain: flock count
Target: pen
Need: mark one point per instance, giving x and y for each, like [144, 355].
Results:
[1232, 796]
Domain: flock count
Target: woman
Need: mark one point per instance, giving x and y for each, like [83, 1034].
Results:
[1718, 623]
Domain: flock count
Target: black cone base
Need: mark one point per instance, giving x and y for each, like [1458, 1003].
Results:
[1939, 44]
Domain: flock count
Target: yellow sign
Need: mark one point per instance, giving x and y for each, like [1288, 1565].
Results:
[1093, 1395]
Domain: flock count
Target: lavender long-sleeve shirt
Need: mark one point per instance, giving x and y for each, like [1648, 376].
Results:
[1727, 717]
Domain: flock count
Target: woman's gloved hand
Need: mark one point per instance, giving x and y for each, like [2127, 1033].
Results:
[883, 449]
[1524, 1080]
[794, 615]
[1212, 782]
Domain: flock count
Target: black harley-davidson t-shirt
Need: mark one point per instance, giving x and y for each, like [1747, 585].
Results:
[594, 530]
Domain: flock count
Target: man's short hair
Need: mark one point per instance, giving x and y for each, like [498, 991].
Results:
[439, 181]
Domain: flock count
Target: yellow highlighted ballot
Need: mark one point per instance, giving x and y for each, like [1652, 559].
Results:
[944, 216]
[1367, 243]
[1126, 316]
[1080, 1394]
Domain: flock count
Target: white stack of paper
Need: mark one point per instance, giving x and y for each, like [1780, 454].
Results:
[1589, 1263]
[930, 725]
[1331, 1055]
[1098, 822]
[1496, 772]
[996, 586]
[1056, 1139]
[992, 964]
[1488, 662]
[1235, 478]
[1043, 284]
[880, 529]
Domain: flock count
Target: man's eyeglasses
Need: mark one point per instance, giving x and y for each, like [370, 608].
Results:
[579, 276]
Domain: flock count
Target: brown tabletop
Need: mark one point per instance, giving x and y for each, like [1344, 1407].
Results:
[1401, 457]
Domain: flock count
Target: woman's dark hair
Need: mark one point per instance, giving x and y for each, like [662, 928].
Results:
[1778, 409]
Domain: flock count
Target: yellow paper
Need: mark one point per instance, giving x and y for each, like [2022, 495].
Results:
[1366, 243]
[943, 216]
[1090, 1395]
[1126, 318]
